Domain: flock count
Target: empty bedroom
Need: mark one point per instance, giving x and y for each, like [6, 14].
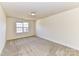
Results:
[39, 28]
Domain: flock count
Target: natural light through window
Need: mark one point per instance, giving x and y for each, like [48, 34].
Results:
[22, 27]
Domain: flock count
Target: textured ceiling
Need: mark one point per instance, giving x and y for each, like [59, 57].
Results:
[42, 9]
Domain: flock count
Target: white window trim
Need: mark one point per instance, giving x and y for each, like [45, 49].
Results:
[22, 27]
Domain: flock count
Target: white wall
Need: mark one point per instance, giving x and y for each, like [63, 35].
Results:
[2, 29]
[11, 29]
[61, 28]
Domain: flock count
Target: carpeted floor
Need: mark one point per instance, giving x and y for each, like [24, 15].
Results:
[35, 46]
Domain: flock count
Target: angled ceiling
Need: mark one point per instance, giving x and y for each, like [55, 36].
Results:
[42, 9]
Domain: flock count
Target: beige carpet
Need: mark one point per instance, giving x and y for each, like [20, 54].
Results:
[34, 46]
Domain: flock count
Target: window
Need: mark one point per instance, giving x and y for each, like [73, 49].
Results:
[22, 27]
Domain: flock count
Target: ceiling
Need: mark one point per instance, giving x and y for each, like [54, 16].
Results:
[42, 9]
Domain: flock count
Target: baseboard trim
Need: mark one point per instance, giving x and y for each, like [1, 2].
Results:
[59, 43]
[21, 37]
[2, 48]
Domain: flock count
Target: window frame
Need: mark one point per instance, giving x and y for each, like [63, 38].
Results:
[22, 27]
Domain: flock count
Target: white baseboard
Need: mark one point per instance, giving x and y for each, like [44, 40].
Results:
[72, 47]
[21, 37]
[2, 48]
